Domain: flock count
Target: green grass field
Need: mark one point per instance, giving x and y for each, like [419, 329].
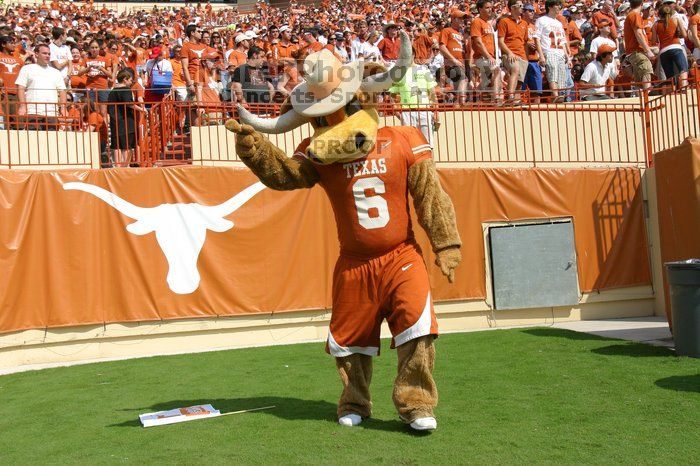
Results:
[507, 396]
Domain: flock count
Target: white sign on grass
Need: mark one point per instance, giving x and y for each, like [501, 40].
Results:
[173, 416]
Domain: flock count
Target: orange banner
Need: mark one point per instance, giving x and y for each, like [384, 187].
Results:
[89, 246]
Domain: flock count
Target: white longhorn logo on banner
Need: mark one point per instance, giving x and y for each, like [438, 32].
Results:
[180, 228]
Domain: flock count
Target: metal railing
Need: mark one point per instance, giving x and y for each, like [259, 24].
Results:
[621, 131]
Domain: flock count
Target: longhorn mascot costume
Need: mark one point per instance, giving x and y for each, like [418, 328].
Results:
[367, 173]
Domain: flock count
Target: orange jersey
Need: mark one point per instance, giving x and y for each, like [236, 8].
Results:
[598, 17]
[667, 34]
[283, 51]
[95, 120]
[95, 78]
[389, 48]
[514, 34]
[193, 53]
[453, 40]
[423, 45]
[483, 29]
[632, 23]
[178, 76]
[77, 81]
[574, 34]
[9, 70]
[369, 196]
[237, 58]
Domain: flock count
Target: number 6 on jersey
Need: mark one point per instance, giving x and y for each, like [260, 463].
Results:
[364, 203]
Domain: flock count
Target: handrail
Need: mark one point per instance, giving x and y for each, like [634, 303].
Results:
[161, 129]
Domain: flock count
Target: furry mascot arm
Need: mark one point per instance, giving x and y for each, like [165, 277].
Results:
[436, 215]
[269, 163]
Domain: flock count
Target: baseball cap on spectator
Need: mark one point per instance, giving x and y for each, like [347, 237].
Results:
[528, 7]
[624, 7]
[573, 9]
[646, 5]
[284, 28]
[240, 38]
[668, 1]
[458, 14]
[388, 26]
[605, 48]
[251, 35]
[339, 36]
[604, 22]
[566, 13]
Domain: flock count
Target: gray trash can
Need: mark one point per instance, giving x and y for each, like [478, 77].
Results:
[684, 286]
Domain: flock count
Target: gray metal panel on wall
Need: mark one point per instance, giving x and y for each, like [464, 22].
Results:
[533, 265]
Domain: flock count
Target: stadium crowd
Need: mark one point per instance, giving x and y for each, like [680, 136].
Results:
[464, 53]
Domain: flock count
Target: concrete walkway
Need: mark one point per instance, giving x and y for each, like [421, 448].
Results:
[652, 330]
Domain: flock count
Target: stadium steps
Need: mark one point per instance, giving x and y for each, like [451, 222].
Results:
[178, 151]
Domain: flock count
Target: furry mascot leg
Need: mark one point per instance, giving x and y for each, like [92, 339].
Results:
[415, 394]
[355, 401]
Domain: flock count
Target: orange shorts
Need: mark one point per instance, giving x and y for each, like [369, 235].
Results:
[394, 287]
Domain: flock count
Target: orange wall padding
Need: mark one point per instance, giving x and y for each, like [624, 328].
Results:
[678, 199]
[67, 259]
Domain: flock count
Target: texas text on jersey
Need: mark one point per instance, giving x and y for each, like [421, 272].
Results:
[370, 195]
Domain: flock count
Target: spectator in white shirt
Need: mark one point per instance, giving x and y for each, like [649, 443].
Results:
[61, 56]
[369, 50]
[603, 38]
[597, 73]
[358, 43]
[39, 88]
[555, 46]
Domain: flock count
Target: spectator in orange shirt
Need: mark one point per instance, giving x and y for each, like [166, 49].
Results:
[573, 33]
[389, 45]
[512, 35]
[9, 70]
[239, 54]
[422, 43]
[97, 124]
[313, 45]
[191, 56]
[668, 30]
[606, 12]
[485, 51]
[78, 81]
[452, 48]
[98, 69]
[636, 45]
[648, 20]
[292, 74]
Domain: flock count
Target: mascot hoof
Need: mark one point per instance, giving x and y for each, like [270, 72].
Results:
[350, 420]
[424, 423]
